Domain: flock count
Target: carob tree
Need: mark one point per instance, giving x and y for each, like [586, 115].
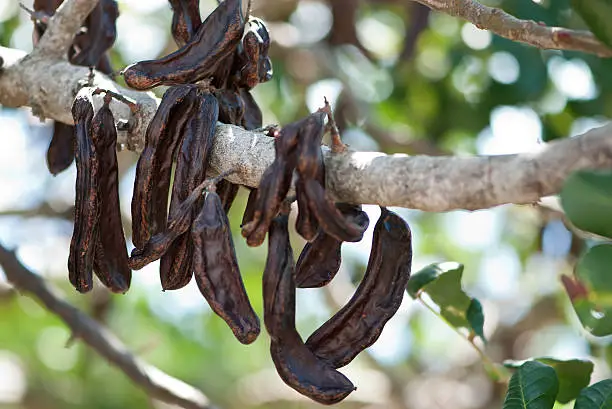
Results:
[218, 62]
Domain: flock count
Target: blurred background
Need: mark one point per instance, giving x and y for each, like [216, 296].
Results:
[401, 79]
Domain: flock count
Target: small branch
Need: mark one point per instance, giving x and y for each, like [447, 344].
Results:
[154, 382]
[63, 26]
[525, 31]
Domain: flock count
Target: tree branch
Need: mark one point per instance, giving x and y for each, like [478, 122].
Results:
[418, 182]
[154, 382]
[524, 31]
[49, 84]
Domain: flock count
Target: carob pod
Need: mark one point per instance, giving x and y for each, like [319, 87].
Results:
[200, 58]
[191, 163]
[153, 171]
[311, 180]
[185, 20]
[320, 259]
[158, 244]
[100, 36]
[360, 322]
[252, 64]
[227, 191]
[309, 165]
[297, 366]
[111, 259]
[231, 106]
[87, 201]
[249, 209]
[274, 184]
[60, 153]
[252, 118]
[217, 273]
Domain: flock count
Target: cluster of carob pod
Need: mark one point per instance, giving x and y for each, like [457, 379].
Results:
[210, 77]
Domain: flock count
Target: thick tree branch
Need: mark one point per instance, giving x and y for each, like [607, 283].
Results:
[525, 31]
[154, 382]
[418, 182]
[48, 84]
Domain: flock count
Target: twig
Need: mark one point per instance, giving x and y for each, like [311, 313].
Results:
[524, 31]
[469, 338]
[154, 382]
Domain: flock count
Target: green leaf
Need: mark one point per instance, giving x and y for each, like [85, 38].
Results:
[593, 271]
[475, 318]
[586, 198]
[533, 386]
[573, 375]
[428, 274]
[590, 290]
[596, 396]
[597, 14]
[447, 293]
[442, 282]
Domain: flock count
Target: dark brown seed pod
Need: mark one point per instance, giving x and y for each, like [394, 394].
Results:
[87, 201]
[192, 160]
[297, 366]
[185, 20]
[217, 273]
[249, 209]
[60, 153]
[100, 35]
[320, 260]
[153, 171]
[252, 64]
[306, 224]
[330, 218]
[231, 106]
[360, 322]
[111, 259]
[227, 191]
[160, 242]
[252, 118]
[200, 58]
[274, 184]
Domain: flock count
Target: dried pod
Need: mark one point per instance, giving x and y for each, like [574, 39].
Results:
[320, 260]
[100, 36]
[185, 20]
[111, 259]
[192, 160]
[60, 153]
[231, 106]
[87, 201]
[274, 184]
[297, 366]
[360, 322]
[199, 59]
[227, 191]
[252, 118]
[153, 171]
[160, 242]
[249, 209]
[306, 224]
[252, 64]
[216, 270]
